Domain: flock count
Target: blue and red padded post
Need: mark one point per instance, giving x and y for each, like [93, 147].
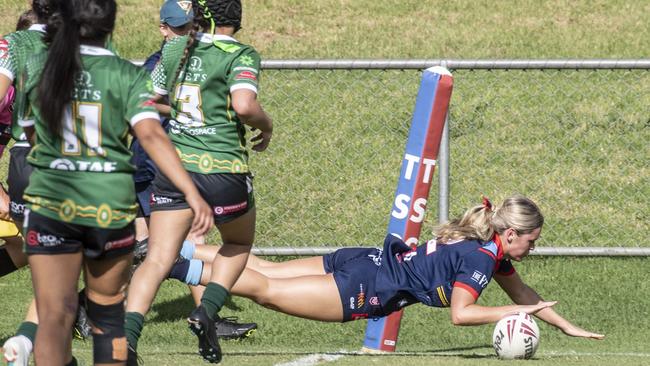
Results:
[414, 184]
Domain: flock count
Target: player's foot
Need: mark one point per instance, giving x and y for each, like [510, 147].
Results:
[228, 328]
[82, 329]
[16, 351]
[205, 329]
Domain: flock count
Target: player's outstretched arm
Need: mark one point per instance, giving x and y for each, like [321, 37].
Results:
[520, 293]
[155, 142]
[250, 112]
[465, 311]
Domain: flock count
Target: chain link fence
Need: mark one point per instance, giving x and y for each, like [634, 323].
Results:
[572, 135]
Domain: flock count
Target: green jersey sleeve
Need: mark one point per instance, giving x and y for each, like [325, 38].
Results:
[244, 71]
[140, 104]
[27, 82]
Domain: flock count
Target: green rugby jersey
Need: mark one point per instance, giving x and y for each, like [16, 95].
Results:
[15, 48]
[84, 175]
[205, 129]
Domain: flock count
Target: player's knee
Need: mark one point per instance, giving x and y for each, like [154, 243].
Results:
[264, 295]
[109, 339]
[58, 313]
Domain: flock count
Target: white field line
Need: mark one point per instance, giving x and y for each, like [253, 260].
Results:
[314, 359]
[311, 360]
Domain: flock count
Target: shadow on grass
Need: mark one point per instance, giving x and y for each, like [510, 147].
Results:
[442, 352]
[179, 308]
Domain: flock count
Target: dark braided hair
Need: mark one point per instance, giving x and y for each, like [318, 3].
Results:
[227, 13]
[72, 23]
[207, 15]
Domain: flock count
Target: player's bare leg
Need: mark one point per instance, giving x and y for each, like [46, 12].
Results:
[286, 269]
[166, 233]
[167, 230]
[310, 297]
[55, 285]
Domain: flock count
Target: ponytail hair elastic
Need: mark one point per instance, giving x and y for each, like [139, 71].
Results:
[486, 203]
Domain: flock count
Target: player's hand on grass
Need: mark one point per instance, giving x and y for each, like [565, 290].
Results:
[202, 221]
[261, 140]
[573, 331]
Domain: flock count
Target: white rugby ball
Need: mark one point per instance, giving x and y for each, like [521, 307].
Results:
[516, 336]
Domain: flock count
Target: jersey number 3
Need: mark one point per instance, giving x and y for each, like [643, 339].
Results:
[189, 109]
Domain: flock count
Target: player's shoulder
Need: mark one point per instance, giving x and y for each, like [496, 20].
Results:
[111, 62]
[23, 37]
[468, 249]
[34, 65]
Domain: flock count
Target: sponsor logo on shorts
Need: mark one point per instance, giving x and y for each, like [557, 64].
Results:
[17, 208]
[361, 297]
[159, 200]
[226, 210]
[34, 238]
[351, 302]
[402, 303]
[374, 301]
[376, 258]
[359, 316]
[246, 75]
[120, 243]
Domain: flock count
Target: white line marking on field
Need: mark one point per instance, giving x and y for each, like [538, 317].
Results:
[311, 360]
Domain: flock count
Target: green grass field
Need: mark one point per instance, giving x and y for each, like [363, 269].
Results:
[574, 141]
[598, 294]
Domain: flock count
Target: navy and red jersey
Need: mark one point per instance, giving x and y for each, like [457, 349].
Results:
[429, 272]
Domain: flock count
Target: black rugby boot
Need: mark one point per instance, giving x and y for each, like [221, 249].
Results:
[204, 328]
[228, 328]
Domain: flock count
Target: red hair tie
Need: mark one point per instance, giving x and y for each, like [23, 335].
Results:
[486, 203]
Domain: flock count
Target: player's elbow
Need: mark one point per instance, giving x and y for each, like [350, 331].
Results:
[244, 107]
[244, 103]
[457, 317]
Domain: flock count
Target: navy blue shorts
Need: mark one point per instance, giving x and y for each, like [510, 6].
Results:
[143, 191]
[354, 271]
